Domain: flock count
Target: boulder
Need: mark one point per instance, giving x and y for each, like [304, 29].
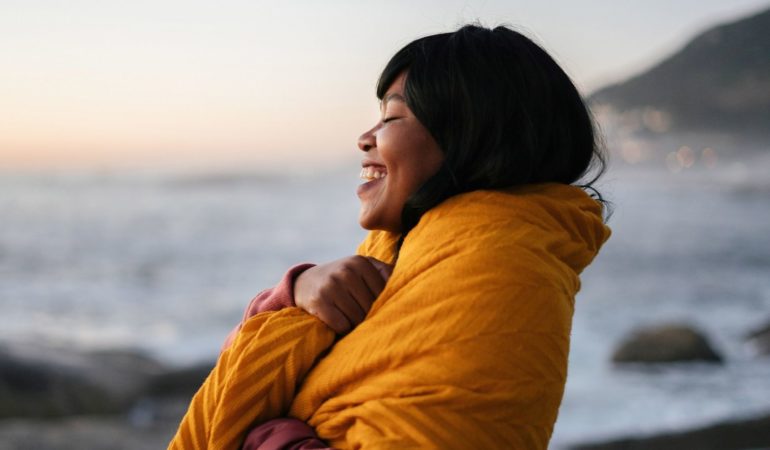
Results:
[46, 381]
[733, 434]
[179, 382]
[665, 343]
[760, 338]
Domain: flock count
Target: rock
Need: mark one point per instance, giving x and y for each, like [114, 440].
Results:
[728, 435]
[104, 432]
[760, 338]
[179, 382]
[41, 381]
[666, 343]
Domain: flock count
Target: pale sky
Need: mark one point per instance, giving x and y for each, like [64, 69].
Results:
[188, 83]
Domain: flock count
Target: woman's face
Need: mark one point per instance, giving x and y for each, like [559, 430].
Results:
[399, 156]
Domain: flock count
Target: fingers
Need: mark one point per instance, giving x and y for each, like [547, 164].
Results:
[336, 306]
[329, 314]
[359, 300]
[341, 293]
[352, 306]
[384, 269]
[373, 274]
[364, 280]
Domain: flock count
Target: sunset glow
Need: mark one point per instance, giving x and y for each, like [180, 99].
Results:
[89, 83]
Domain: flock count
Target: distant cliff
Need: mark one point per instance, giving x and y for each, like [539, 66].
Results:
[719, 82]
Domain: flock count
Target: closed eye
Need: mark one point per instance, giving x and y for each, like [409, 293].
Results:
[388, 119]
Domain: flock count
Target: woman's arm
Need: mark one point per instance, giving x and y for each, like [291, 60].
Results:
[254, 380]
[339, 293]
[258, 372]
[274, 299]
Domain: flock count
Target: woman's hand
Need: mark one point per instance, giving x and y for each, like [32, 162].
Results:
[341, 292]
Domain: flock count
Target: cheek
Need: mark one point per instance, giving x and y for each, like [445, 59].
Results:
[429, 161]
[425, 170]
[412, 156]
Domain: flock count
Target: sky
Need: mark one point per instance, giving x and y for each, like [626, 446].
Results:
[249, 83]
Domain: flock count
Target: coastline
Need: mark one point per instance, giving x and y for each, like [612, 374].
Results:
[94, 432]
[732, 434]
[52, 398]
[78, 398]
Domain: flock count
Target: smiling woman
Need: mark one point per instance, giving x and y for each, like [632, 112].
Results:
[400, 156]
[450, 326]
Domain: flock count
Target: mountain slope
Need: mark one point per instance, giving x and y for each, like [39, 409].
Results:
[720, 81]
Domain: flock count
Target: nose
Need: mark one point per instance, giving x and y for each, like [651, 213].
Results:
[367, 140]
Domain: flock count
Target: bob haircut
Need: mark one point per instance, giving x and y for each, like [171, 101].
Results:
[502, 111]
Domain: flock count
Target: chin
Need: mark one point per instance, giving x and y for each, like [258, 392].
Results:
[368, 224]
[364, 222]
[372, 224]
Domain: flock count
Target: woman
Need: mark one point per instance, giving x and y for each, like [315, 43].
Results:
[479, 233]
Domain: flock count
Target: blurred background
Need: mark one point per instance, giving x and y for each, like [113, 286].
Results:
[162, 162]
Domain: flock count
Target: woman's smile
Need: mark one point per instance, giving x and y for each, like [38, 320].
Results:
[400, 156]
[368, 186]
[370, 173]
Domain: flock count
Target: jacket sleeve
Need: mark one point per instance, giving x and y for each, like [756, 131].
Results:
[274, 299]
[254, 380]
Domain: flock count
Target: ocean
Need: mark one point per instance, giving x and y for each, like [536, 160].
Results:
[166, 262]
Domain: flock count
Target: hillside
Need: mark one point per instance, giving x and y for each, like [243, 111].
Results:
[719, 81]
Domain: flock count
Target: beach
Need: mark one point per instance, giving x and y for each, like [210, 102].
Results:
[164, 263]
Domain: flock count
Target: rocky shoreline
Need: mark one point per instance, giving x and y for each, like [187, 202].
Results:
[58, 398]
[752, 433]
[94, 432]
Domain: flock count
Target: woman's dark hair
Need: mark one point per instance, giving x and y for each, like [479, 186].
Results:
[501, 110]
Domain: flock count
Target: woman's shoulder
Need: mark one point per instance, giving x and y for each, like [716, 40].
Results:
[530, 200]
[551, 224]
[550, 207]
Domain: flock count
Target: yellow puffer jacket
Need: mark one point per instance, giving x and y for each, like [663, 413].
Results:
[465, 348]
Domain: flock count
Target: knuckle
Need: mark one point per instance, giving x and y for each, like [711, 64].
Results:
[348, 276]
[323, 290]
[345, 268]
[354, 261]
[315, 303]
[336, 280]
[357, 259]
[329, 282]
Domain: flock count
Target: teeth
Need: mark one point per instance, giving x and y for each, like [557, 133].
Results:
[371, 173]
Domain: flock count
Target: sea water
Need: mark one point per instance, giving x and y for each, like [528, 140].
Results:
[166, 262]
[691, 247]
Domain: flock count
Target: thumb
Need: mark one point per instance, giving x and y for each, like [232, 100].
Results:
[383, 268]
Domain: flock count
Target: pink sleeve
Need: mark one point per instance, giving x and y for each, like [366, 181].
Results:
[274, 299]
[283, 434]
